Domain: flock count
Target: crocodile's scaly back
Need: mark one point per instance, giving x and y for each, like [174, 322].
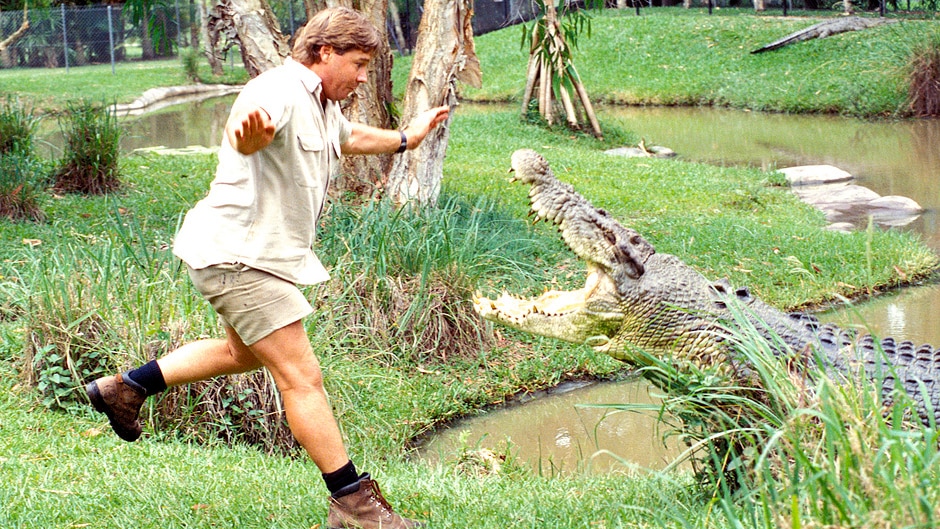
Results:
[638, 303]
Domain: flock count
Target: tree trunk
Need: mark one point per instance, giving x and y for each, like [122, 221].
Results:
[312, 7]
[369, 104]
[444, 54]
[259, 35]
[146, 43]
[395, 17]
[760, 6]
[210, 37]
[550, 72]
[194, 27]
[5, 44]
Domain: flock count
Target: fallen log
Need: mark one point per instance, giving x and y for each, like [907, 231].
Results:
[825, 29]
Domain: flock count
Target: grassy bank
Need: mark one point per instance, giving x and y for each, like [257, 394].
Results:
[670, 56]
[106, 261]
[674, 56]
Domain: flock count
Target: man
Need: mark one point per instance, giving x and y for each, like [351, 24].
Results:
[248, 243]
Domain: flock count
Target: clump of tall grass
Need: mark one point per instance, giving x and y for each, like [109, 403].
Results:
[17, 126]
[22, 185]
[404, 278]
[190, 58]
[89, 164]
[803, 448]
[97, 305]
[924, 76]
[22, 174]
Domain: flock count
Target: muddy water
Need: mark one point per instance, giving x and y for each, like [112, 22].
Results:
[199, 123]
[567, 431]
[196, 123]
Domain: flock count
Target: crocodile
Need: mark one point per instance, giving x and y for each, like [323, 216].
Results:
[641, 306]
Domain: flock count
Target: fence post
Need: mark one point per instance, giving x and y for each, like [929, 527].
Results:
[290, 11]
[65, 39]
[111, 37]
[179, 27]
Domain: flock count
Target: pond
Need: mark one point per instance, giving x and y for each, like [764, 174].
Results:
[557, 433]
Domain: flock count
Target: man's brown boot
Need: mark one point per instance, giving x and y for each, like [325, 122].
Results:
[362, 506]
[120, 399]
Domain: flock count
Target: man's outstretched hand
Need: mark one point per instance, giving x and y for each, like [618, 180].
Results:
[424, 123]
[250, 132]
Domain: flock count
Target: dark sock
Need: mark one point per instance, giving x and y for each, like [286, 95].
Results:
[345, 476]
[149, 377]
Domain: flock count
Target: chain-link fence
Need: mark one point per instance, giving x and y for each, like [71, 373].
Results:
[64, 36]
[75, 36]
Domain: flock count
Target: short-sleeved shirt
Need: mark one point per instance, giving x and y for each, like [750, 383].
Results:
[262, 209]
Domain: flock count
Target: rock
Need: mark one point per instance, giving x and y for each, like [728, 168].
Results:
[848, 206]
[896, 204]
[653, 151]
[805, 175]
[841, 227]
[836, 196]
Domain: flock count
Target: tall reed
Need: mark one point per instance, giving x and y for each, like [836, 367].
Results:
[803, 448]
[924, 76]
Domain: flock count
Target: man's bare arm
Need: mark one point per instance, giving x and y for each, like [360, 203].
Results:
[371, 140]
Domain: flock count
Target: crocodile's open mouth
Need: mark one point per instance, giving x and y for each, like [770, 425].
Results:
[588, 315]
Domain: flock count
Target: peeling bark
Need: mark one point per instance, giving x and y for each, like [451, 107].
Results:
[369, 104]
[444, 54]
[259, 34]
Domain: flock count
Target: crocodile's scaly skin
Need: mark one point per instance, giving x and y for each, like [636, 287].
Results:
[636, 300]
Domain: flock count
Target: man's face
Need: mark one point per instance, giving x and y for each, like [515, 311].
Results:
[341, 74]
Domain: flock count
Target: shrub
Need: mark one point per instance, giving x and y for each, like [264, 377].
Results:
[90, 160]
[924, 77]
[21, 174]
[17, 126]
[190, 58]
[22, 181]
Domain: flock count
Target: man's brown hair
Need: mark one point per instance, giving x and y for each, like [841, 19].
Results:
[340, 27]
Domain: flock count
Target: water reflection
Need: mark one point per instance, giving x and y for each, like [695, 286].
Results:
[196, 123]
[561, 432]
[199, 123]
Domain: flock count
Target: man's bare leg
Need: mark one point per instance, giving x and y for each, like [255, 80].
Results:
[205, 359]
[287, 354]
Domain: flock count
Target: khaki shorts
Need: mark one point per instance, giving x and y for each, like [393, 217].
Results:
[253, 302]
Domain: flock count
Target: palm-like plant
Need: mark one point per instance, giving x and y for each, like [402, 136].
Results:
[551, 73]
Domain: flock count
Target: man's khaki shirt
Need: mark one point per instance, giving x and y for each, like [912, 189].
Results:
[262, 209]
